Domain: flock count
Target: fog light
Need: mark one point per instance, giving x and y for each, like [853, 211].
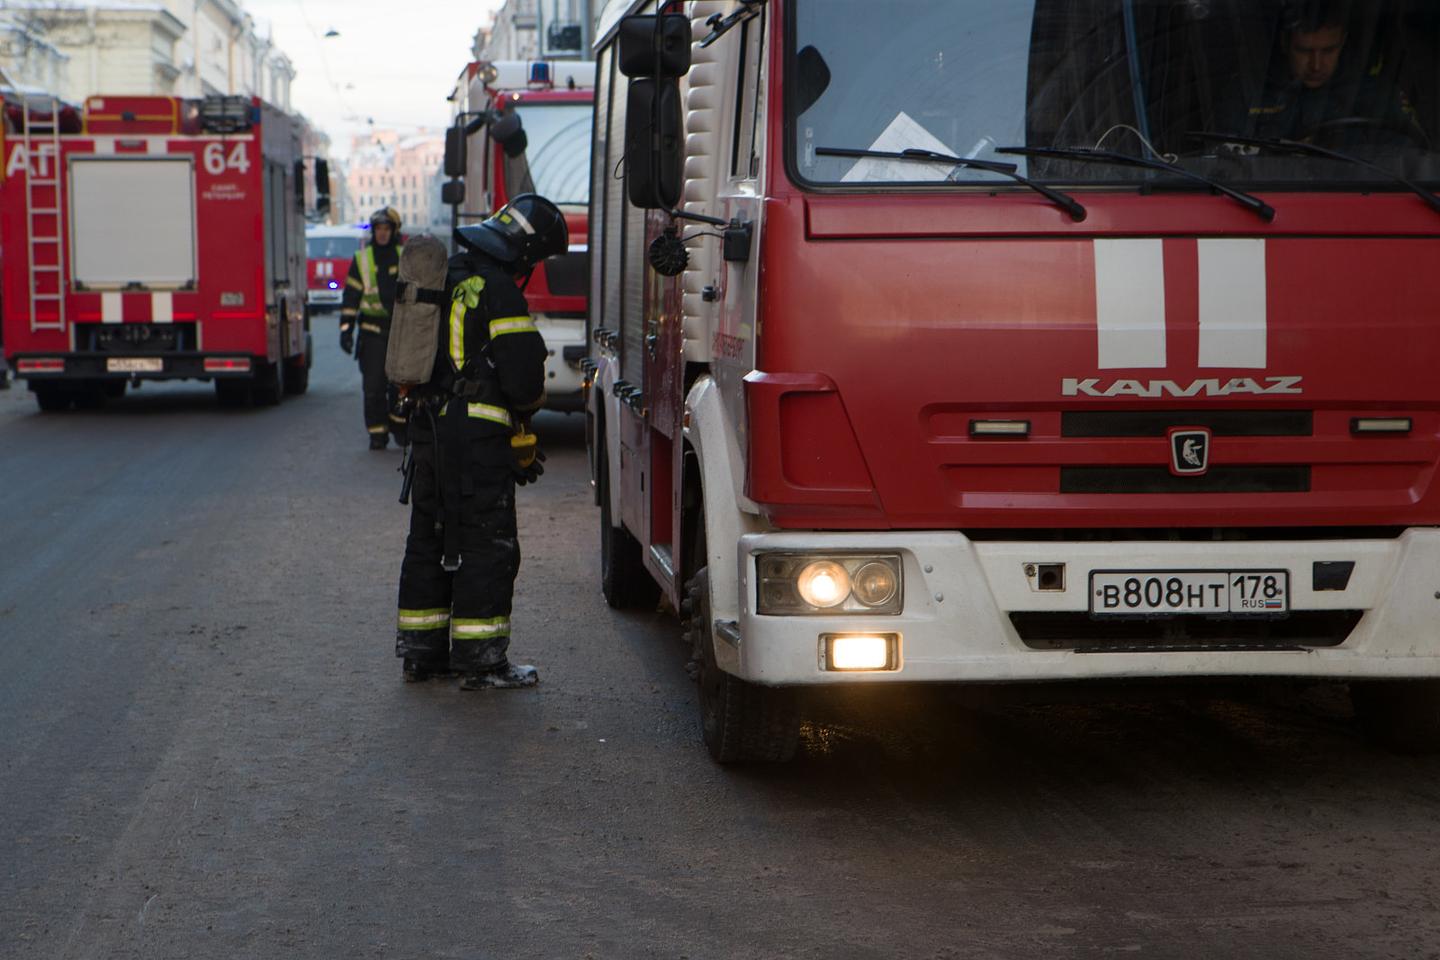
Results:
[860, 651]
[823, 583]
[874, 584]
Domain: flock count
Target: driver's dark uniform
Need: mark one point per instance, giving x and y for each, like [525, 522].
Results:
[1289, 110]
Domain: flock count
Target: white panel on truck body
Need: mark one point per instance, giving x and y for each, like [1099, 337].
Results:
[132, 222]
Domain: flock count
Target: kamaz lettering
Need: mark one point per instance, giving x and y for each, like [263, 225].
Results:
[1094, 387]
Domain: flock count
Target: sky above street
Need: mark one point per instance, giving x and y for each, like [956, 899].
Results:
[392, 63]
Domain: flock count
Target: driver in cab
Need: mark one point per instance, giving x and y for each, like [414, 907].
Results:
[1313, 98]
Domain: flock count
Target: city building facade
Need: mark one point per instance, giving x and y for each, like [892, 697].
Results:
[538, 29]
[189, 48]
[388, 169]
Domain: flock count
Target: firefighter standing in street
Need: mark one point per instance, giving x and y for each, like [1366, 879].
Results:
[369, 298]
[471, 446]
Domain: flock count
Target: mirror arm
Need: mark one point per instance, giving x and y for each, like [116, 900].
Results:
[720, 25]
[699, 218]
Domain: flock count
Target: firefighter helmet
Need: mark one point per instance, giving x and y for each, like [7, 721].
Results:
[386, 215]
[521, 234]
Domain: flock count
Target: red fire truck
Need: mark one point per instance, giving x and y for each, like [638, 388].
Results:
[524, 127]
[1023, 341]
[329, 250]
[153, 238]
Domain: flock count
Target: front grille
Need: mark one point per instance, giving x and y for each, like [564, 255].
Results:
[1155, 423]
[1240, 479]
[1298, 630]
[568, 274]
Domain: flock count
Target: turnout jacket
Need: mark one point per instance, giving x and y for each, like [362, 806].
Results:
[370, 288]
[490, 362]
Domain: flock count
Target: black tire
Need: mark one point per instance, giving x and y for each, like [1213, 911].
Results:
[297, 375]
[626, 583]
[1400, 715]
[52, 397]
[265, 389]
[741, 722]
[232, 393]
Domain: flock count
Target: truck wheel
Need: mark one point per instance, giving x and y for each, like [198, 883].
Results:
[265, 389]
[624, 580]
[232, 393]
[52, 397]
[741, 722]
[297, 375]
[1401, 715]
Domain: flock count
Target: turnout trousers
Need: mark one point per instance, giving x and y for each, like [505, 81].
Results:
[462, 614]
[380, 396]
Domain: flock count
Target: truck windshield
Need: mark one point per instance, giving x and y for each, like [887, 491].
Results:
[1163, 79]
[331, 248]
[558, 152]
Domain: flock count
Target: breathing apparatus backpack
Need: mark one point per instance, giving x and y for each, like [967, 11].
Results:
[419, 311]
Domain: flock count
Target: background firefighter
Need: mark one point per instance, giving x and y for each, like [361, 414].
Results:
[369, 299]
[470, 448]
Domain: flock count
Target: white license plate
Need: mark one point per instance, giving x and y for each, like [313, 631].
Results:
[135, 364]
[1132, 593]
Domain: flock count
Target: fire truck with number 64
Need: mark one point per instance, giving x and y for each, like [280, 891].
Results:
[154, 238]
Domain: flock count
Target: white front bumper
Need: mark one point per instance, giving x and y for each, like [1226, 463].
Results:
[959, 594]
[562, 378]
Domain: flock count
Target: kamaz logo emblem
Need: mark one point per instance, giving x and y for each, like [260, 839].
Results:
[1189, 451]
[1208, 387]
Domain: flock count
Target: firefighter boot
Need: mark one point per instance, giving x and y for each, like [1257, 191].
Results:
[502, 677]
[420, 669]
[378, 441]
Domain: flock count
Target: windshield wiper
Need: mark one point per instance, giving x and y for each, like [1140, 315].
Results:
[1309, 149]
[1263, 209]
[1069, 204]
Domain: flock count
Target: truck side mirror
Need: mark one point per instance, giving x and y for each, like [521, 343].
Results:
[509, 133]
[452, 193]
[322, 186]
[812, 75]
[655, 46]
[455, 152]
[654, 139]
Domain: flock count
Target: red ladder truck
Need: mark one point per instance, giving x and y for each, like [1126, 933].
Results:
[153, 238]
[1028, 341]
[524, 127]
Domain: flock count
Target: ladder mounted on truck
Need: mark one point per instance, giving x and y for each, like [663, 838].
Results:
[40, 137]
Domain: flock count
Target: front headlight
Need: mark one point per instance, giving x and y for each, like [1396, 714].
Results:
[823, 583]
[794, 584]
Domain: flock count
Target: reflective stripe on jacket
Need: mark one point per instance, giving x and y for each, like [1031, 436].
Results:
[370, 304]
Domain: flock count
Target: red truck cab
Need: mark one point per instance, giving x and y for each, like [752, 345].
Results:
[328, 251]
[1025, 341]
[553, 103]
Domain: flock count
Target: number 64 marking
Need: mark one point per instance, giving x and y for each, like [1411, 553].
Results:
[217, 161]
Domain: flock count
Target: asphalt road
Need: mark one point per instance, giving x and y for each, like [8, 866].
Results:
[206, 751]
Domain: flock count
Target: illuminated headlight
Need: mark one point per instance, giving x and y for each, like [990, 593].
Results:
[860, 652]
[792, 584]
[823, 583]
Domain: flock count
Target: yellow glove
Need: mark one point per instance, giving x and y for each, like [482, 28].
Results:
[526, 455]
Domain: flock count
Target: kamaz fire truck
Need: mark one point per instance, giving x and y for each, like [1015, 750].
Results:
[524, 127]
[1030, 340]
[153, 238]
[329, 250]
